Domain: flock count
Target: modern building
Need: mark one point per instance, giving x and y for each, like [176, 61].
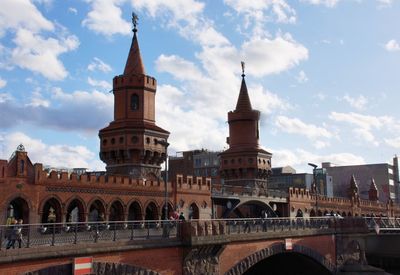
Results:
[283, 178]
[199, 163]
[386, 178]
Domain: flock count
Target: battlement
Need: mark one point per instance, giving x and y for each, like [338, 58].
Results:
[299, 193]
[95, 180]
[124, 81]
[193, 183]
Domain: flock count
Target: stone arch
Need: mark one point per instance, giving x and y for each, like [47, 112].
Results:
[194, 212]
[151, 211]
[312, 213]
[260, 255]
[75, 210]
[135, 211]
[96, 210]
[258, 207]
[51, 210]
[45, 199]
[116, 211]
[18, 207]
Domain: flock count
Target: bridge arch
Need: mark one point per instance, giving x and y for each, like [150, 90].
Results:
[51, 209]
[278, 249]
[250, 208]
[18, 207]
[96, 210]
[116, 210]
[75, 209]
[135, 211]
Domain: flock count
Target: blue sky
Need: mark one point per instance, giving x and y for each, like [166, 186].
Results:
[324, 74]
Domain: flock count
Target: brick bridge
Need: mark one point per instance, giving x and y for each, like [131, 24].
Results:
[235, 246]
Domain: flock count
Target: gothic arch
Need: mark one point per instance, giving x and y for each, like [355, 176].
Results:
[194, 211]
[257, 203]
[116, 210]
[70, 216]
[48, 197]
[260, 255]
[135, 210]
[99, 210]
[51, 210]
[76, 197]
[152, 210]
[169, 212]
[27, 207]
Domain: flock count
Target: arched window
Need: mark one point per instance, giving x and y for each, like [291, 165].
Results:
[22, 166]
[134, 102]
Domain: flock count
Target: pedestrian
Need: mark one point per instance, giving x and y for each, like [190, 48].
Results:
[19, 227]
[12, 237]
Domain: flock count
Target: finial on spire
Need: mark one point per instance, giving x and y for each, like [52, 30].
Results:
[135, 20]
[243, 65]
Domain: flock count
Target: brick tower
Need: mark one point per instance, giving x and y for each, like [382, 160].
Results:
[245, 163]
[132, 144]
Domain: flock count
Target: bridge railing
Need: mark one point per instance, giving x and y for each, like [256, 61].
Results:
[56, 234]
[198, 228]
[383, 224]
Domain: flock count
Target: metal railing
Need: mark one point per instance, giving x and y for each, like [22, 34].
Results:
[383, 224]
[61, 234]
[58, 234]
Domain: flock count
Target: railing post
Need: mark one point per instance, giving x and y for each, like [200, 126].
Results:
[115, 233]
[148, 230]
[76, 233]
[132, 226]
[96, 233]
[53, 237]
[28, 237]
[1, 237]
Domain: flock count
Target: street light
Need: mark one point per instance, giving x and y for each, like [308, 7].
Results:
[165, 144]
[314, 186]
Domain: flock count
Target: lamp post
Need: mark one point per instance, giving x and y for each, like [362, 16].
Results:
[314, 186]
[165, 144]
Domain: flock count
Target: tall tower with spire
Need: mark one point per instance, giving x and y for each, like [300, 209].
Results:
[245, 163]
[132, 144]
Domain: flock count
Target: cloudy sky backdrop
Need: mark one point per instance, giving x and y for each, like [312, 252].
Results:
[323, 73]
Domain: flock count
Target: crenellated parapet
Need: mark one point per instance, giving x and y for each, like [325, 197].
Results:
[192, 183]
[134, 81]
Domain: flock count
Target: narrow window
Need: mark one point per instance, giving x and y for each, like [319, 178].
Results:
[134, 102]
[22, 166]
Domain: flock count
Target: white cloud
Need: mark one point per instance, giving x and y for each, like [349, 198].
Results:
[327, 3]
[300, 157]
[105, 85]
[392, 46]
[266, 56]
[257, 13]
[3, 83]
[73, 10]
[364, 125]
[178, 67]
[67, 111]
[296, 126]
[57, 155]
[22, 14]
[367, 122]
[99, 65]
[38, 41]
[393, 142]
[302, 77]
[105, 18]
[40, 54]
[384, 3]
[37, 100]
[356, 102]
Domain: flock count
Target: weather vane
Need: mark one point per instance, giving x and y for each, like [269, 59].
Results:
[243, 65]
[135, 19]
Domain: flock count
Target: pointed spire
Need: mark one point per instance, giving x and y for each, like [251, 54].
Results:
[243, 103]
[373, 185]
[134, 63]
[353, 183]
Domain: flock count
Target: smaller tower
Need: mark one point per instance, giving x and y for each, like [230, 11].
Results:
[373, 193]
[245, 163]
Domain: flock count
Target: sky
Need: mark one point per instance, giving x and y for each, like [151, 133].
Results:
[323, 73]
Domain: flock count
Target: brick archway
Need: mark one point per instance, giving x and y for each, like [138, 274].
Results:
[260, 255]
